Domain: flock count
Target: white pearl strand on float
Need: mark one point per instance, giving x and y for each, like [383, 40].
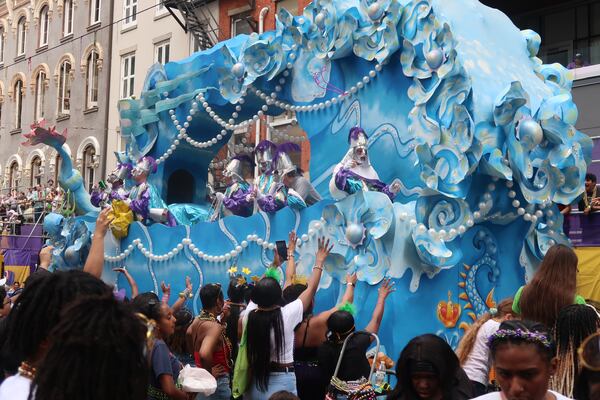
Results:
[483, 208]
[270, 99]
[239, 249]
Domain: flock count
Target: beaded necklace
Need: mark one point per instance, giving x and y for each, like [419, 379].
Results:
[586, 200]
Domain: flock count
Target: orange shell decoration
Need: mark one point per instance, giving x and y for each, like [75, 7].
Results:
[448, 312]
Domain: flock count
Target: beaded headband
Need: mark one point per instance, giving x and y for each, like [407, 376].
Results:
[520, 334]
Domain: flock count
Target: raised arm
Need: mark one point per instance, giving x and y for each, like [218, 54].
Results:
[95, 261]
[348, 297]
[166, 289]
[290, 270]
[183, 296]
[313, 283]
[385, 289]
[132, 284]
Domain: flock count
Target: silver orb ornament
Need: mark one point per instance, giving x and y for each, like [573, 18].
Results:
[530, 133]
[435, 58]
[238, 70]
[375, 11]
[355, 234]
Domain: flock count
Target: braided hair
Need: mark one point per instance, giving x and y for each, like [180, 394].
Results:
[96, 352]
[38, 308]
[574, 324]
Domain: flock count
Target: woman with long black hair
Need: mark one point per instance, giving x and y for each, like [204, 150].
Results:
[270, 331]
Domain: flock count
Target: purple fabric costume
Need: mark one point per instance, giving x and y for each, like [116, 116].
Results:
[236, 200]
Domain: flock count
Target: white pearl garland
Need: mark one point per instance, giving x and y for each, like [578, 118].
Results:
[265, 244]
[270, 99]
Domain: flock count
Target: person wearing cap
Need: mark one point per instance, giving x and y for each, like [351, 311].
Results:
[144, 200]
[238, 198]
[288, 174]
[263, 153]
[103, 196]
[280, 195]
[355, 173]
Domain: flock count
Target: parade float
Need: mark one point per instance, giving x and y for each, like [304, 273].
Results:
[470, 143]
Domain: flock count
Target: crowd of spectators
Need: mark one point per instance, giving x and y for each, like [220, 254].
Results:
[28, 206]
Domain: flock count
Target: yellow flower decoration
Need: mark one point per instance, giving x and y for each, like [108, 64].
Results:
[246, 270]
[232, 270]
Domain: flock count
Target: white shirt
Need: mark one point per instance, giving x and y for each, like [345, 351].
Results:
[292, 316]
[477, 366]
[15, 387]
[497, 396]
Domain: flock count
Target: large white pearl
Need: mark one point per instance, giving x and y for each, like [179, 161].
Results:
[354, 233]
[434, 58]
[238, 70]
[530, 133]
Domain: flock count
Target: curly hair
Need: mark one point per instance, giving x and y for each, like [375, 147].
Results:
[96, 353]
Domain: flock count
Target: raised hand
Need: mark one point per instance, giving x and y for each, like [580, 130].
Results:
[387, 287]
[188, 284]
[324, 248]
[352, 278]
[166, 289]
[103, 221]
[291, 246]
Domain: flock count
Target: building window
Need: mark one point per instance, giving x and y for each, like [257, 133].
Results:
[21, 37]
[68, 18]
[91, 80]
[40, 94]
[127, 75]
[130, 12]
[240, 24]
[94, 11]
[44, 24]
[57, 165]
[160, 7]
[64, 88]
[161, 52]
[89, 155]
[18, 103]
[1, 45]
[36, 172]
[13, 176]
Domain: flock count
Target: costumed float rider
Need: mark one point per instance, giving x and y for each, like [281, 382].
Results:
[238, 198]
[263, 153]
[103, 195]
[144, 199]
[355, 173]
[280, 195]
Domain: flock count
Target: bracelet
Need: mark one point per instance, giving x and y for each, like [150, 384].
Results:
[350, 284]
[290, 254]
[318, 267]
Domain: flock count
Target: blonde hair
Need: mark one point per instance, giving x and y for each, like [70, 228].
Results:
[468, 340]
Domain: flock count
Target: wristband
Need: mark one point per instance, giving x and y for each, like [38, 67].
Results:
[318, 267]
[350, 284]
